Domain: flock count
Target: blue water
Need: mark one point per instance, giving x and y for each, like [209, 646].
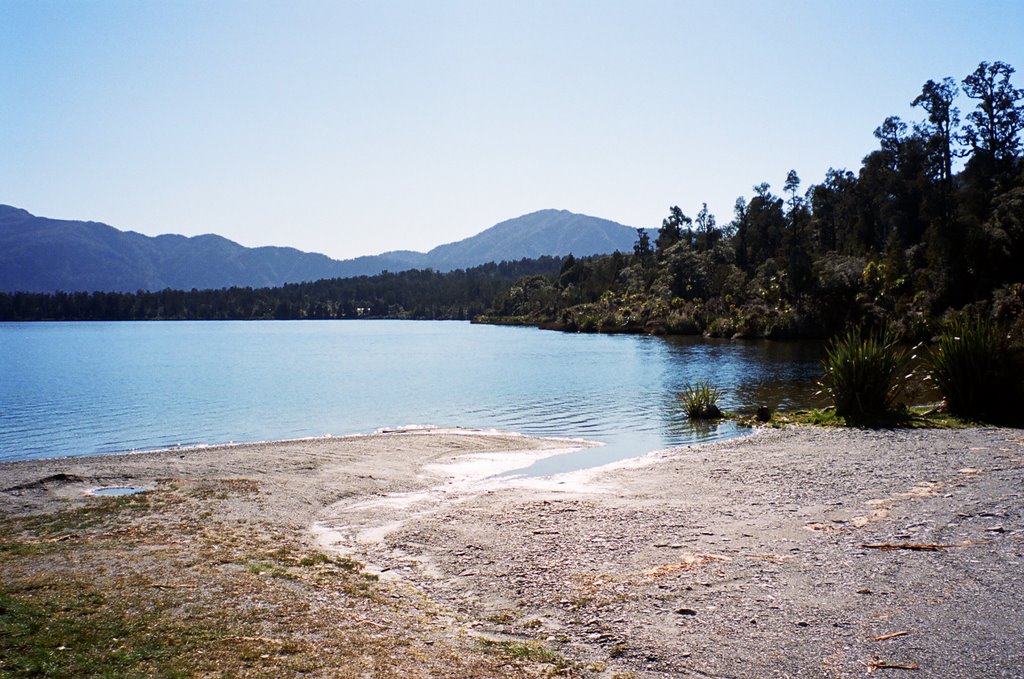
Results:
[119, 491]
[92, 388]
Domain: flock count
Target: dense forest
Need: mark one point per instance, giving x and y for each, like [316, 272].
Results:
[457, 295]
[931, 224]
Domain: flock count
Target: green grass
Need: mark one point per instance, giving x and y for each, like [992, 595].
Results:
[78, 632]
[916, 417]
[22, 548]
[267, 568]
[344, 563]
[528, 651]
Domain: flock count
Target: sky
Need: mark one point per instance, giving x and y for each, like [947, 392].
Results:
[356, 127]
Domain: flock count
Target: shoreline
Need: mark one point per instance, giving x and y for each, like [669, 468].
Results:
[406, 429]
[754, 556]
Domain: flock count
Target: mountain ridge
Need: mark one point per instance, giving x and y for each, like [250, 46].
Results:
[40, 254]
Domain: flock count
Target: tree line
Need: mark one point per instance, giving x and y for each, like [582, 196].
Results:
[931, 224]
[417, 294]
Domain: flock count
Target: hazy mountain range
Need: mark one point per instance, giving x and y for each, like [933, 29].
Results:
[38, 254]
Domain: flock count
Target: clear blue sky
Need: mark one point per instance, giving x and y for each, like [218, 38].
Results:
[352, 128]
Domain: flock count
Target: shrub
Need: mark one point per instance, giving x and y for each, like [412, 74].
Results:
[700, 401]
[864, 373]
[970, 368]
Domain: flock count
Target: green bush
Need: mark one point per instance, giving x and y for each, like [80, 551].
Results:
[970, 368]
[864, 374]
[700, 401]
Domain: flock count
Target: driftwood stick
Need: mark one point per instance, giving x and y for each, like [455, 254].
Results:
[370, 622]
[876, 664]
[913, 546]
[892, 636]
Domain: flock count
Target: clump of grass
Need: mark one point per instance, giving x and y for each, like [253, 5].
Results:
[618, 651]
[526, 651]
[970, 368]
[700, 401]
[315, 559]
[267, 568]
[864, 374]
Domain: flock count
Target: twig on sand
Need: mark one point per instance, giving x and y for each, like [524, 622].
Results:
[913, 546]
[920, 546]
[877, 664]
[892, 636]
[370, 622]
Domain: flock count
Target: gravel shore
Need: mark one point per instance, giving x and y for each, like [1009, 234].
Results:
[798, 552]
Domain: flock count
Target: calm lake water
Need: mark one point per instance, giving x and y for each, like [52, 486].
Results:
[91, 388]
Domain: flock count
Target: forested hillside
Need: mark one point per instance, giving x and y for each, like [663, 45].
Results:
[426, 294]
[932, 223]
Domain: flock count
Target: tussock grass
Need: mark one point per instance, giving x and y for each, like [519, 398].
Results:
[700, 401]
[864, 373]
[970, 367]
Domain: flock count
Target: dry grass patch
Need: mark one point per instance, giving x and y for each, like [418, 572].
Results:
[163, 584]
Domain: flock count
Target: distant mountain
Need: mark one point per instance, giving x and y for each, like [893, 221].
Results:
[38, 254]
[547, 232]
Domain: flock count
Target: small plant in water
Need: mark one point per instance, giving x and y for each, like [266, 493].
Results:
[864, 373]
[700, 401]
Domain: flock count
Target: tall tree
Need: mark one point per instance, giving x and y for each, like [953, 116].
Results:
[834, 212]
[671, 231]
[761, 229]
[707, 231]
[891, 181]
[791, 187]
[993, 127]
[642, 248]
[890, 135]
[797, 241]
[943, 234]
[940, 129]
[737, 231]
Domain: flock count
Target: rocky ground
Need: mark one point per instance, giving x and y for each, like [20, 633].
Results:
[801, 552]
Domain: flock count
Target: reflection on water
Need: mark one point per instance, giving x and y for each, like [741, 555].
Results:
[781, 375]
[88, 388]
[749, 373]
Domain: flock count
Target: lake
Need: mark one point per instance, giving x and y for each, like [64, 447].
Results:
[93, 388]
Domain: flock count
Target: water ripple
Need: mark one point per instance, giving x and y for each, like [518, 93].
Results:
[87, 388]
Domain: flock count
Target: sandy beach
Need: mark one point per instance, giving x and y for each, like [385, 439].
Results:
[797, 552]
